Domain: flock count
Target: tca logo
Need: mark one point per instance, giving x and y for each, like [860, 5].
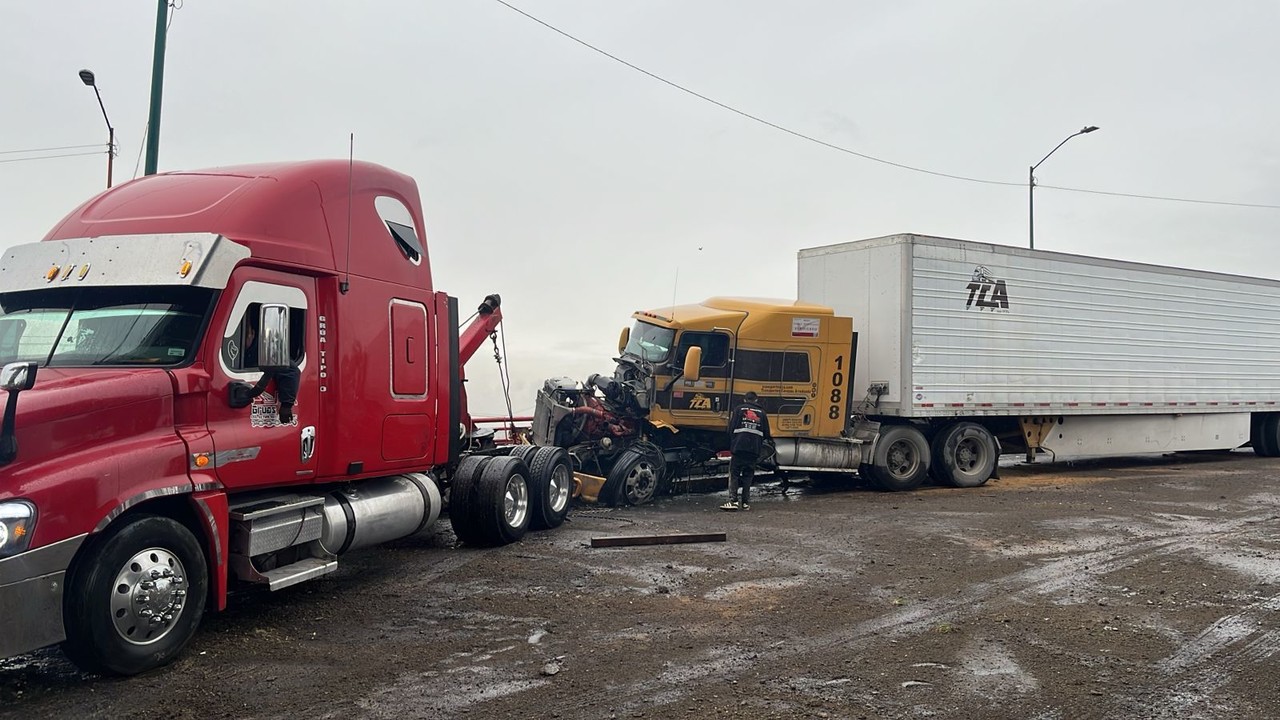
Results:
[986, 292]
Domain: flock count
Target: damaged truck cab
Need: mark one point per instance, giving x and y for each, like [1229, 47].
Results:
[681, 371]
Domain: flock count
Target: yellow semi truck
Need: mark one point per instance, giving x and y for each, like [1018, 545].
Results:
[663, 413]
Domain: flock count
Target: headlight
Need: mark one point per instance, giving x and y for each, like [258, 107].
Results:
[17, 520]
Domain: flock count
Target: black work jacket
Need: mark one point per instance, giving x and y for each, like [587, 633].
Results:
[748, 429]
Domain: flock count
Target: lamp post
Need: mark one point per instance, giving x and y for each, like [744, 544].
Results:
[86, 76]
[1031, 185]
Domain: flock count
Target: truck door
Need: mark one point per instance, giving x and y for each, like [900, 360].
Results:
[252, 446]
[709, 398]
[796, 393]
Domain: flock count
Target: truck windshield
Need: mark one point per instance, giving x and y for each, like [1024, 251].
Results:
[102, 326]
[649, 342]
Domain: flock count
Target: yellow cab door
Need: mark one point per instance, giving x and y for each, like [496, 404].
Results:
[707, 401]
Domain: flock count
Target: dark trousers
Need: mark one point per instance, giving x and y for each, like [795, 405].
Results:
[742, 467]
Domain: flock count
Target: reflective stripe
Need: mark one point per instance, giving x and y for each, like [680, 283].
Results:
[753, 431]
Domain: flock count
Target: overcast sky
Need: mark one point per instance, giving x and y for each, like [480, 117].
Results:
[582, 190]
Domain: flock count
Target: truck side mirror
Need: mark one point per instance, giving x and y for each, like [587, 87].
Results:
[693, 364]
[14, 377]
[275, 361]
[273, 338]
[19, 376]
[623, 339]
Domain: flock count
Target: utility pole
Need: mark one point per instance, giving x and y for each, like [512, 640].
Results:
[157, 87]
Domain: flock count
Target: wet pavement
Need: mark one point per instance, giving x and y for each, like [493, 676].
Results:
[1142, 588]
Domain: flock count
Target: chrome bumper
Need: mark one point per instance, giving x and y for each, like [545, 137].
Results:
[31, 585]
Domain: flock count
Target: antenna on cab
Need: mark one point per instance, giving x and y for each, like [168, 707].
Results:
[345, 284]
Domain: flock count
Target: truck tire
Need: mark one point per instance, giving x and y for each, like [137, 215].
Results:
[500, 514]
[136, 596]
[901, 458]
[634, 478]
[1265, 435]
[964, 455]
[550, 488]
[462, 497]
[524, 452]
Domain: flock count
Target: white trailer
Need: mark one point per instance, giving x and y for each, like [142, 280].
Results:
[1059, 355]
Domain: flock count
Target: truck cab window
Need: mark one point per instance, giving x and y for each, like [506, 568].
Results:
[103, 326]
[240, 346]
[770, 366]
[399, 221]
[649, 342]
[715, 348]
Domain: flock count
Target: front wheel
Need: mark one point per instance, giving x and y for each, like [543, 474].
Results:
[634, 478]
[901, 458]
[136, 597]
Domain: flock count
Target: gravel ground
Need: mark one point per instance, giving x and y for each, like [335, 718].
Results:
[1144, 588]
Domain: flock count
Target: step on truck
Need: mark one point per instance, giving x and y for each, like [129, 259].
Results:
[962, 351]
[228, 379]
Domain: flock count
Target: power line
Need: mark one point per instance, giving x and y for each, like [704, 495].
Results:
[864, 156]
[49, 149]
[50, 157]
[1161, 197]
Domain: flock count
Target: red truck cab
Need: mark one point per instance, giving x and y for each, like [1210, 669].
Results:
[231, 376]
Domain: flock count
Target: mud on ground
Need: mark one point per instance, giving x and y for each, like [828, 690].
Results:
[1133, 589]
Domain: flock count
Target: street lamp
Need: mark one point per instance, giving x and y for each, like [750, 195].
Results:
[86, 76]
[1031, 185]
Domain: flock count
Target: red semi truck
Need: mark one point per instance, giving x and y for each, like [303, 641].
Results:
[232, 377]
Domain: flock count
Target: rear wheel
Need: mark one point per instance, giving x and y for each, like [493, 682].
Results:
[1265, 435]
[462, 497]
[550, 488]
[524, 452]
[964, 455]
[634, 478]
[500, 513]
[136, 597]
[901, 458]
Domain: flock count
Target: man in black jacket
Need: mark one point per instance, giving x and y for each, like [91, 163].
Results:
[748, 432]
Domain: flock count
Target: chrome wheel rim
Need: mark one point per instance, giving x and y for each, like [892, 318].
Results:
[515, 500]
[561, 483]
[148, 596]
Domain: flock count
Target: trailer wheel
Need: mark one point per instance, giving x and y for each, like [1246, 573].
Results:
[634, 478]
[462, 497]
[136, 597]
[550, 488]
[964, 455]
[901, 459]
[501, 511]
[1266, 435]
